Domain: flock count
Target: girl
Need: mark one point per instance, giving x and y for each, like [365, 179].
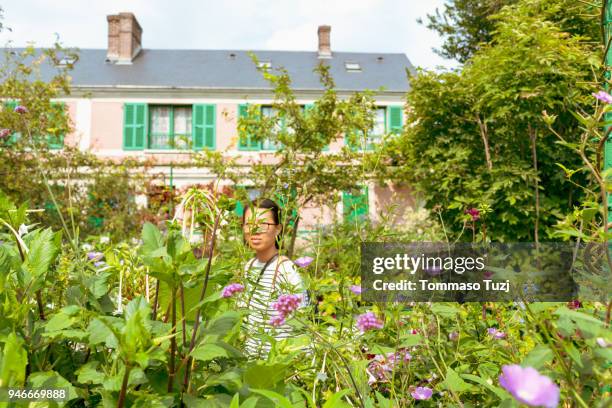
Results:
[268, 275]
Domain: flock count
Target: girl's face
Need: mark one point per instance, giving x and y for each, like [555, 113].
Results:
[259, 229]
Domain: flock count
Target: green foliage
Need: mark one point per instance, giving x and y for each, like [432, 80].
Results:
[471, 135]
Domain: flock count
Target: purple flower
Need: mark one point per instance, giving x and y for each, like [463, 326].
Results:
[231, 289]
[453, 336]
[603, 96]
[474, 213]
[95, 256]
[496, 334]
[285, 304]
[529, 387]
[368, 321]
[421, 393]
[99, 264]
[21, 109]
[303, 261]
[356, 289]
[5, 133]
[278, 320]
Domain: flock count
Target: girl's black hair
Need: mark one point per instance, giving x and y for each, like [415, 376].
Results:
[267, 204]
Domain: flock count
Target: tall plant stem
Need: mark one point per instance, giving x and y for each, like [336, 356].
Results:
[184, 318]
[124, 385]
[156, 300]
[196, 325]
[171, 372]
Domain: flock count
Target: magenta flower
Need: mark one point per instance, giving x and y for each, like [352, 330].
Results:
[278, 320]
[574, 304]
[603, 96]
[422, 393]
[21, 109]
[356, 289]
[487, 274]
[5, 133]
[232, 289]
[303, 261]
[496, 334]
[285, 304]
[529, 387]
[474, 213]
[368, 321]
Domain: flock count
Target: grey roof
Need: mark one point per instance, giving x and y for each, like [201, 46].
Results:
[218, 69]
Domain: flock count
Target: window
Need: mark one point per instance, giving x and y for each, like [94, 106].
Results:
[386, 119]
[168, 126]
[355, 206]
[247, 142]
[352, 66]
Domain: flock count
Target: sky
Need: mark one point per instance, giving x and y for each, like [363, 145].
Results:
[357, 25]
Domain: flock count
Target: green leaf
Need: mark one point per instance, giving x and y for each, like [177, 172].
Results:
[454, 382]
[538, 356]
[479, 380]
[260, 374]
[336, 400]
[51, 379]
[235, 401]
[152, 239]
[88, 374]
[279, 400]
[444, 310]
[210, 351]
[250, 402]
[14, 359]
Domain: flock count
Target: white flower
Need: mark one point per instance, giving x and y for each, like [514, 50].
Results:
[104, 239]
[87, 247]
[603, 342]
[321, 377]
[23, 229]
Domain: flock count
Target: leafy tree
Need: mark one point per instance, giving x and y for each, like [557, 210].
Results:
[477, 138]
[465, 25]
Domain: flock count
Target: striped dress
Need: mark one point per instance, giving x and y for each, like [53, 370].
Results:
[259, 296]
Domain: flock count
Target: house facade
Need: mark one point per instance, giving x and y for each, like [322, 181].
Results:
[127, 100]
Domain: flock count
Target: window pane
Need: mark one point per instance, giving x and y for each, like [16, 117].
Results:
[160, 126]
[379, 127]
[266, 144]
[182, 126]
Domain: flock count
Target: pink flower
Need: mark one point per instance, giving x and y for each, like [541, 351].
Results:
[303, 261]
[487, 274]
[496, 333]
[232, 289]
[5, 133]
[574, 304]
[21, 109]
[474, 213]
[422, 393]
[368, 321]
[278, 320]
[356, 289]
[453, 336]
[285, 304]
[529, 387]
[603, 96]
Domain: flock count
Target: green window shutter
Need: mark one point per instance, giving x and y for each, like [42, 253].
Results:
[204, 131]
[244, 141]
[355, 206]
[57, 141]
[134, 126]
[395, 119]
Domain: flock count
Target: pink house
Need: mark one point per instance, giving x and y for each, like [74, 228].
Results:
[132, 101]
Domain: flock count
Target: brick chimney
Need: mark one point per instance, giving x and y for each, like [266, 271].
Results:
[124, 38]
[324, 42]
